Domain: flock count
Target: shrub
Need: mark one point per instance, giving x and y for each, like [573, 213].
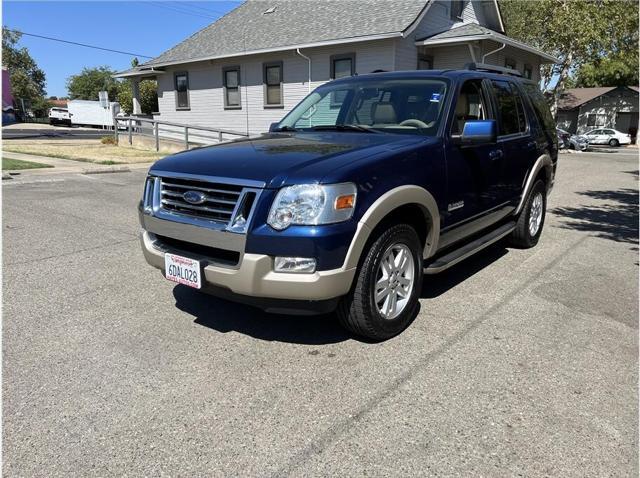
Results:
[108, 140]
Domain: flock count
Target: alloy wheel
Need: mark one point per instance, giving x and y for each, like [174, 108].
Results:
[395, 281]
[535, 215]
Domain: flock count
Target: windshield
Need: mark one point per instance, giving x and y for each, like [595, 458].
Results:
[406, 106]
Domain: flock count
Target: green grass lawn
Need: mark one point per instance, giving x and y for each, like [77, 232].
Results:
[13, 164]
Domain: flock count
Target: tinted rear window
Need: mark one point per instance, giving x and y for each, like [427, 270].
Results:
[540, 106]
[510, 108]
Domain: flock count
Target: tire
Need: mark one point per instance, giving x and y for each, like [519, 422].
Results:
[614, 143]
[525, 235]
[359, 312]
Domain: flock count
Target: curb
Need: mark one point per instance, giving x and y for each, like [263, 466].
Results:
[112, 169]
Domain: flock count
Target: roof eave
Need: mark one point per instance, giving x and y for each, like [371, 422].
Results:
[488, 36]
[340, 41]
[137, 73]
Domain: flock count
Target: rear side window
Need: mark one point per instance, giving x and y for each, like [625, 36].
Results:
[540, 106]
[510, 108]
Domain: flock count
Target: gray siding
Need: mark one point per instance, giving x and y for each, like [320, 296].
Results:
[206, 92]
[456, 56]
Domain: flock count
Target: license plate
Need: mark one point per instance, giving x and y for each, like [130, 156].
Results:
[182, 270]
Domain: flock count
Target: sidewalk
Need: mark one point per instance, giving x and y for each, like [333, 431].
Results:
[69, 166]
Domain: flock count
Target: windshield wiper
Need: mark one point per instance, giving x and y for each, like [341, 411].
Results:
[286, 128]
[343, 127]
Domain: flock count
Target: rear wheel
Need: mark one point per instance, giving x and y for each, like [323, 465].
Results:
[614, 143]
[384, 298]
[531, 220]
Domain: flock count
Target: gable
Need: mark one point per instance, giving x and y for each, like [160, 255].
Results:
[438, 17]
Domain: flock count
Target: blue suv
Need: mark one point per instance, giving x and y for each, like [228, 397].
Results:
[366, 185]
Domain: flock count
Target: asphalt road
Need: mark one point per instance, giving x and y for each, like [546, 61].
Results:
[26, 131]
[521, 362]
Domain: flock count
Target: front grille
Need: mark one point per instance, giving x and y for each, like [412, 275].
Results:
[219, 203]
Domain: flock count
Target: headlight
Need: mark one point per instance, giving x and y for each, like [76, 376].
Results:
[312, 204]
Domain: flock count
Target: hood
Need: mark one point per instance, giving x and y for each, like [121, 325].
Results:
[278, 159]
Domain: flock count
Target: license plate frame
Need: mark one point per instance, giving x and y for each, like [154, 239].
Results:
[183, 270]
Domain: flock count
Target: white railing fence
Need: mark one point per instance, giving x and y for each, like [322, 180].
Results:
[189, 134]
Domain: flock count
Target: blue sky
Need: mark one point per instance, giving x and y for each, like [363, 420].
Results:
[144, 27]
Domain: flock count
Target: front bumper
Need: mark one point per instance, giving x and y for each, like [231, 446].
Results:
[254, 275]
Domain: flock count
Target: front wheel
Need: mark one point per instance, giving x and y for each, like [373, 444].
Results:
[614, 143]
[531, 220]
[384, 298]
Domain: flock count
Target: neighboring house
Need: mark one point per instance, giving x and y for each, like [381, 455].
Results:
[583, 109]
[250, 67]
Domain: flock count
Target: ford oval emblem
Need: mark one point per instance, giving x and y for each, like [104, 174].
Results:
[194, 197]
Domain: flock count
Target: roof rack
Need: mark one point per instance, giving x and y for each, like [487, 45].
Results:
[492, 69]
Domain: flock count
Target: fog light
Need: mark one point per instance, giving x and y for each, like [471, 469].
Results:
[302, 265]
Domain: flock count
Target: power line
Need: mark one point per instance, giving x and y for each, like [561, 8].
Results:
[190, 5]
[179, 10]
[79, 44]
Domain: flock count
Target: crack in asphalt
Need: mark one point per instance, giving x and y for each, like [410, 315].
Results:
[335, 432]
[65, 254]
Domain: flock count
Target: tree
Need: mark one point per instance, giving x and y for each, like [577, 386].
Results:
[148, 96]
[27, 79]
[578, 32]
[86, 84]
[619, 70]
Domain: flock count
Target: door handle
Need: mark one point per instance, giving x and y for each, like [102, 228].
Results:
[531, 144]
[495, 154]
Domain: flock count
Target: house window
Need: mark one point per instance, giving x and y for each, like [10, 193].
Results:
[273, 85]
[343, 65]
[510, 63]
[527, 72]
[594, 119]
[456, 10]
[182, 90]
[231, 84]
[425, 62]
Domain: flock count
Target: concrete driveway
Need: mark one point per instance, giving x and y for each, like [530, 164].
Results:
[521, 362]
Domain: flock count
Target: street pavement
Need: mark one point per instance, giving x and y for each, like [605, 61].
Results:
[47, 131]
[520, 363]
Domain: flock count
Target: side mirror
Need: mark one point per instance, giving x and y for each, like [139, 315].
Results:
[477, 132]
[273, 127]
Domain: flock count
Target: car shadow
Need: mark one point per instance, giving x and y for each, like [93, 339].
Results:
[435, 285]
[226, 316]
[615, 218]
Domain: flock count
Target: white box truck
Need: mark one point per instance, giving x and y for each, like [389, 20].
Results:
[91, 113]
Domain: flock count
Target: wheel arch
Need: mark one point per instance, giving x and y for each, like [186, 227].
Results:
[400, 202]
[543, 166]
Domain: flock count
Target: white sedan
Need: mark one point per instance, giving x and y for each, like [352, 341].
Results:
[608, 136]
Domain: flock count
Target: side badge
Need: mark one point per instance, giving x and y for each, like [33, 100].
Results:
[455, 205]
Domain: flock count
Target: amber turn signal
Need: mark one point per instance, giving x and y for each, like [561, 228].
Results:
[345, 202]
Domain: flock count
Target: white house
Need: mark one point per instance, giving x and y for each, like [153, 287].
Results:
[250, 67]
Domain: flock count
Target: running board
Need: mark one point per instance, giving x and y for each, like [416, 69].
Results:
[467, 250]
